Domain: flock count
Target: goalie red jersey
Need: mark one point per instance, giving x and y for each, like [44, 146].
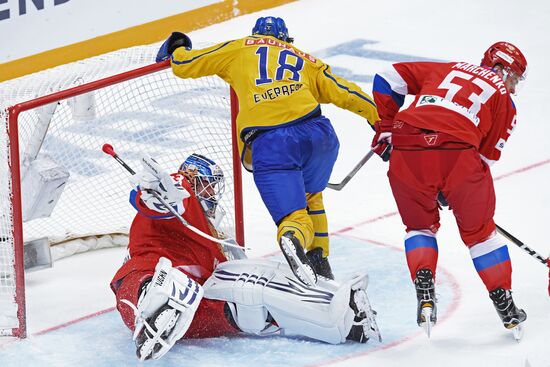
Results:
[156, 234]
[469, 102]
[153, 235]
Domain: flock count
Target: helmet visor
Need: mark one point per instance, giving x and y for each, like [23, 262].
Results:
[513, 80]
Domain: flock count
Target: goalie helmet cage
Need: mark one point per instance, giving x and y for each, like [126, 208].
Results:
[142, 110]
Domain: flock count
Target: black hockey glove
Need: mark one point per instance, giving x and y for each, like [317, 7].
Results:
[176, 39]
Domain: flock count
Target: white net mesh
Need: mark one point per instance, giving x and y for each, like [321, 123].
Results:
[164, 116]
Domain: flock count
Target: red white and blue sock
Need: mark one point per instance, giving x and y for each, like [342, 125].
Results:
[421, 250]
[492, 262]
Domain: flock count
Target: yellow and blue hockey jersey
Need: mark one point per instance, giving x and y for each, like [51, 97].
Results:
[276, 83]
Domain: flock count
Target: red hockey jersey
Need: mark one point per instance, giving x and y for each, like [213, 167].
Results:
[467, 101]
[154, 234]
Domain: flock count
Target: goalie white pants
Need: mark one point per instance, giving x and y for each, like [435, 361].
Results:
[261, 291]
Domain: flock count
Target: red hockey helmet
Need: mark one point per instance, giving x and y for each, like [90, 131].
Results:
[512, 60]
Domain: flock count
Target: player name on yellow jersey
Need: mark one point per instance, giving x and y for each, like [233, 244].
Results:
[274, 42]
[271, 94]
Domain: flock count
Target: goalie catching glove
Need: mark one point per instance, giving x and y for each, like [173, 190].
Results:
[154, 182]
[165, 309]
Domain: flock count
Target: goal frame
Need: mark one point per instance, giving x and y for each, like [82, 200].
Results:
[13, 159]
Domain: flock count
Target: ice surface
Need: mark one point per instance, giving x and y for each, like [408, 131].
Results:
[391, 294]
[469, 332]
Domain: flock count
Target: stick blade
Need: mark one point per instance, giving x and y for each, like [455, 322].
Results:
[336, 187]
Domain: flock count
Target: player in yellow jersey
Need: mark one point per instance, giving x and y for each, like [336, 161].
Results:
[285, 141]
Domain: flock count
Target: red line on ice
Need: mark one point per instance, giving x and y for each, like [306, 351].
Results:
[524, 169]
[69, 323]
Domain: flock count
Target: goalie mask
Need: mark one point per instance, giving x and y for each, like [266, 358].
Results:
[512, 62]
[272, 26]
[207, 181]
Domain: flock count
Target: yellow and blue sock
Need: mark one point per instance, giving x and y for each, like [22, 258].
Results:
[300, 223]
[316, 211]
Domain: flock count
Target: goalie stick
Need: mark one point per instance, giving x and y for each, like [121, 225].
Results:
[340, 186]
[108, 149]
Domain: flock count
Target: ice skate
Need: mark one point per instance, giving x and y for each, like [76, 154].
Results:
[426, 313]
[320, 263]
[364, 324]
[297, 259]
[511, 316]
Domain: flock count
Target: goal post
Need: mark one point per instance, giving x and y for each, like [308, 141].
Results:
[56, 184]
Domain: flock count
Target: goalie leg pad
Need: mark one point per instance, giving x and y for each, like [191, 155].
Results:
[252, 319]
[165, 310]
[262, 291]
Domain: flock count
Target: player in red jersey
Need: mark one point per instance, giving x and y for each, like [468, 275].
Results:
[176, 283]
[443, 144]
[155, 233]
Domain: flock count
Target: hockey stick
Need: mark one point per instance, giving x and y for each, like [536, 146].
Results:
[522, 246]
[442, 201]
[108, 149]
[527, 249]
[340, 186]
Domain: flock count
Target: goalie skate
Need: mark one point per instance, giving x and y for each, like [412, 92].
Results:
[297, 259]
[426, 312]
[364, 324]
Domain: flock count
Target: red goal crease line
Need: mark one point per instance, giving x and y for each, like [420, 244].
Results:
[72, 322]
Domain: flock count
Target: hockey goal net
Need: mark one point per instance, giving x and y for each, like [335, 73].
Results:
[56, 184]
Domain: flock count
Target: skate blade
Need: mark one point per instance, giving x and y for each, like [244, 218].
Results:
[304, 273]
[517, 332]
[372, 331]
[427, 325]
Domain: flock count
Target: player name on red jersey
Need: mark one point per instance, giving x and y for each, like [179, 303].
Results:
[277, 43]
[483, 72]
